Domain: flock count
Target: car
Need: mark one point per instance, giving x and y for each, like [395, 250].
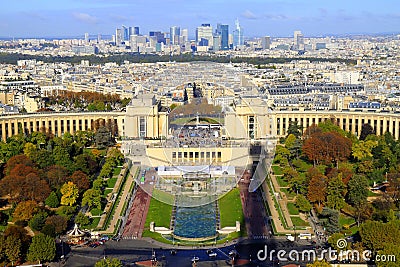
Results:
[212, 255]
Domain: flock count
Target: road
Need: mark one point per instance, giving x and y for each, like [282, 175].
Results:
[130, 251]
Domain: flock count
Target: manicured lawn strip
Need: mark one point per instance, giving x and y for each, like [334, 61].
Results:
[156, 236]
[345, 220]
[116, 171]
[230, 209]
[159, 213]
[292, 209]
[111, 212]
[289, 194]
[106, 192]
[96, 212]
[277, 170]
[95, 222]
[281, 181]
[111, 182]
[373, 194]
[163, 196]
[298, 222]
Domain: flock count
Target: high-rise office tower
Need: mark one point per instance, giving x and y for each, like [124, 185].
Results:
[223, 32]
[125, 32]
[185, 35]
[118, 37]
[204, 32]
[86, 37]
[266, 42]
[298, 40]
[216, 42]
[238, 35]
[136, 30]
[174, 33]
[99, 38]
[159, 35]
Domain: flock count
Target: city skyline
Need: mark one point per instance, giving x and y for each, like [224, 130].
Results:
[258, 18]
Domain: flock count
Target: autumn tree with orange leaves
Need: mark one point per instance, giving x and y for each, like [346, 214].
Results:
[327, 148]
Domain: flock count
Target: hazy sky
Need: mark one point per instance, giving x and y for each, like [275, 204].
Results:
[34, 18]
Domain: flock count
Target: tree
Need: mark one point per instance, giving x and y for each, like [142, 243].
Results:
[357, 190]
[303, 204]
[103, 138]
[330, 219]
[59, 222]
[335, 193]
[366, 129]
[92, 198]
[294, 129]
[56, 176]
[69, 193]
[333, 240]
[363, 149]
[81, 180]
[317, 187]
[15, 160]
[25, 210]
[29, 150]
[42, 248]
[109, 262]
[82, 220]
[327, 147]
[37, 221]
[52, 200]
[62, 157]
[49, 229]
[13, 248]
[376, 235]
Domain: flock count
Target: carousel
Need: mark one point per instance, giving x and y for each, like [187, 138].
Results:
[76, 235]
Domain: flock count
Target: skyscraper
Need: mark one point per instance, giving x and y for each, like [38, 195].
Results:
[118, 37]
[204, 32]
[174, 33]
[136, 30]
[266, 42]
[185, 35]
[86, 37]
[298, 40]
[223, 32]
[125, 31]
[238, 35]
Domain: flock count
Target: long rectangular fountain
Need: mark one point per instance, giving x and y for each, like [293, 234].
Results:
[196, 223]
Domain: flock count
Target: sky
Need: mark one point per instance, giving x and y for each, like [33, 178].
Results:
[68, 18]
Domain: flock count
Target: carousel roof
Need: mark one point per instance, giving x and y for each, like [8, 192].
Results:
[75, 232]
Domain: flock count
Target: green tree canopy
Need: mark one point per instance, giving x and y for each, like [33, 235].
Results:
[42, 248]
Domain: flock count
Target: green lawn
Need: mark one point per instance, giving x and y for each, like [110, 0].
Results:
[230, 209]
[281, 181]
[159, 213]
[116, 170]
[345, 220]
[298, 222]
[95, 222]
[156, 236]
[373, 194]
[163, 196]
[111, 182]
[106, 192]
[96, 212]
[288, 193]
[293, 210]
[277, 170]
